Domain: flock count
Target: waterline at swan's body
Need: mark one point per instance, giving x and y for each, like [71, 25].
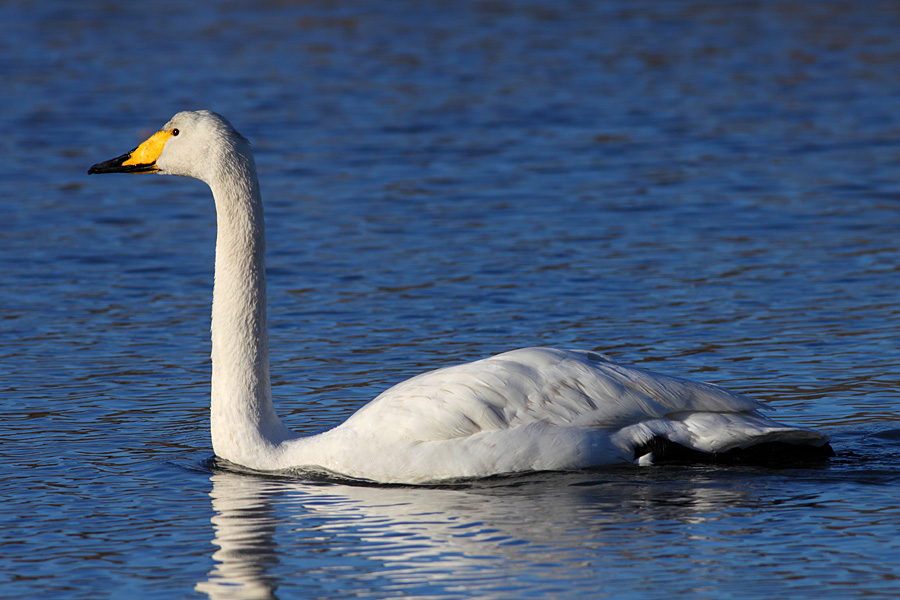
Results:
[525, 410]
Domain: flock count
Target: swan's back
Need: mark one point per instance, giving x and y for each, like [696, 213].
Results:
[546, 409]
[546, 385]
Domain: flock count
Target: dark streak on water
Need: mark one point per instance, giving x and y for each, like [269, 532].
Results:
[706, 189]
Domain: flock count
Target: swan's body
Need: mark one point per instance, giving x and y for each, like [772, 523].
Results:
[525, 410]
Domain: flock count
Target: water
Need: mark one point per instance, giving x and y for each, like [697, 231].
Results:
[702, 189]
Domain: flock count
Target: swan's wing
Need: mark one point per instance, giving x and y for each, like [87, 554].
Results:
[537, 409]
[538, 385]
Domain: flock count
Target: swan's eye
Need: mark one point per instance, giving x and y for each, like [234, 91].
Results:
[175, 132]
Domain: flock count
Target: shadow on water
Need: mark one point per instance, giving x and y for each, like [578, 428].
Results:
[428, 539]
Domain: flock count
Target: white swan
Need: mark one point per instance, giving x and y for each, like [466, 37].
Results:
[525, 410]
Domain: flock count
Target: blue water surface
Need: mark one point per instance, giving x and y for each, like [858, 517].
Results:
[704, 189]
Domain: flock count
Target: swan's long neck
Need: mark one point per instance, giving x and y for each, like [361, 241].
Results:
[245, 428]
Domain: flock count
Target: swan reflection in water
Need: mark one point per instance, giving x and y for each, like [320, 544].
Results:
[501, 533]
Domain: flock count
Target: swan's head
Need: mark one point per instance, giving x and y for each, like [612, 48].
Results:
[193, 143]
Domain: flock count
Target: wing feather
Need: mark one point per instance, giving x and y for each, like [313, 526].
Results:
[538, 385]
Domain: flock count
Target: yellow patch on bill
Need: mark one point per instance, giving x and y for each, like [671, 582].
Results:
[148, 152]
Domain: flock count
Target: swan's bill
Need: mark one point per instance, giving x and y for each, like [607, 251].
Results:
[140, 160]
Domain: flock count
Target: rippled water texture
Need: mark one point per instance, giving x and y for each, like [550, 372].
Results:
[704, 189]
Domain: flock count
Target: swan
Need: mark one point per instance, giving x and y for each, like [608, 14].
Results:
[532, 409]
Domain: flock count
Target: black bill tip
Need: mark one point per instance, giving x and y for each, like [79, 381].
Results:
[115, 166]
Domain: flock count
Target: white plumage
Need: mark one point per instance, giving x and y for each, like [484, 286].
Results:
[525, 410]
